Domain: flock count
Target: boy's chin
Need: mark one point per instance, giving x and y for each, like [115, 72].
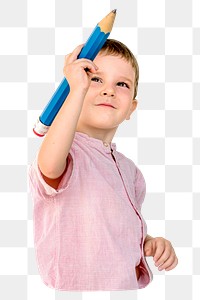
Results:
[105, 126]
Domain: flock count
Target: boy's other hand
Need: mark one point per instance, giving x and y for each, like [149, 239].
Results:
[162, 251]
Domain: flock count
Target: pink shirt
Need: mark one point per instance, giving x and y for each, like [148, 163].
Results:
[89, 233]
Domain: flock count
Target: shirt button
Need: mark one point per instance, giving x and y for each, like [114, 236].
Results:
[105, 144]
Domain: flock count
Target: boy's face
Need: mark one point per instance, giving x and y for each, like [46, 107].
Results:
[109, 100]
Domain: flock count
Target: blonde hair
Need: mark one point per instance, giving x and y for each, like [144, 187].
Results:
[114, 47]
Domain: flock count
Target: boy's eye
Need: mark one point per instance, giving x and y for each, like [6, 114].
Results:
[123, 84]
[96, 79]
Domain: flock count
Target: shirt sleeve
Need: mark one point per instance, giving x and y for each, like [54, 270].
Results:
[140, 188]
[38, 186]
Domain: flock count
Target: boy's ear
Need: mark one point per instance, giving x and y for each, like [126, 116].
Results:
[132, 108]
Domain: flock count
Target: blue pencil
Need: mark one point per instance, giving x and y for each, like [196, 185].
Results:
[91, 48]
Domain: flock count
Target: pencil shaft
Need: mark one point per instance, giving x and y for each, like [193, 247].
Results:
[90, 50]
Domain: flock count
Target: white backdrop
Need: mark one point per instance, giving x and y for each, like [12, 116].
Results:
[162, 137]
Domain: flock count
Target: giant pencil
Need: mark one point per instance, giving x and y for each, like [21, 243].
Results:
[91, 48]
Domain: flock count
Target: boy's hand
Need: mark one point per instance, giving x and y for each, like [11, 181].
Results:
[78, 71]
[162, 251]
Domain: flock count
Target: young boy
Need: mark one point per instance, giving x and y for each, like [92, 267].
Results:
[89, 231]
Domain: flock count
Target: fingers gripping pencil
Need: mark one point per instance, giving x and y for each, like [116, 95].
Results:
[91, 48]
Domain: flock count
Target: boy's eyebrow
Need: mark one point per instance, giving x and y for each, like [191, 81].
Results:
[121, 76]
[127, 79]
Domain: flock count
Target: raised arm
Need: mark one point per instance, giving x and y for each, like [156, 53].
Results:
[57, 143]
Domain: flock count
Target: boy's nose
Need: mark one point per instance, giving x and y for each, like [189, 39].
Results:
[108, 92]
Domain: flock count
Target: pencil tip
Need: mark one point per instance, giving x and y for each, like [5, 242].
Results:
[114, 11]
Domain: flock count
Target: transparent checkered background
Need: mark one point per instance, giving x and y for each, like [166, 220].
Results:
[162, 137]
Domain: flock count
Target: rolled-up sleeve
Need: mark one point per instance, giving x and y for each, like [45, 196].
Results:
[38, 186]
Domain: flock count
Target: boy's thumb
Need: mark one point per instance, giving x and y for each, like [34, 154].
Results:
[148, 249]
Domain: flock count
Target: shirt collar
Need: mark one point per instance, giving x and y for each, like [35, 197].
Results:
[96, 143]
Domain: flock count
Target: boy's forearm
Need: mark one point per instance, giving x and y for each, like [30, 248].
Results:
[57, 143]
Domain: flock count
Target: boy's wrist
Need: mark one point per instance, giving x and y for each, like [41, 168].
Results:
[78, 93]
[148, 237]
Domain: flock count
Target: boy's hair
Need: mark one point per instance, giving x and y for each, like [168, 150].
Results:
[114, 47]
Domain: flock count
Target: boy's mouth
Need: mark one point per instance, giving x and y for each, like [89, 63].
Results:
[106, 104]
